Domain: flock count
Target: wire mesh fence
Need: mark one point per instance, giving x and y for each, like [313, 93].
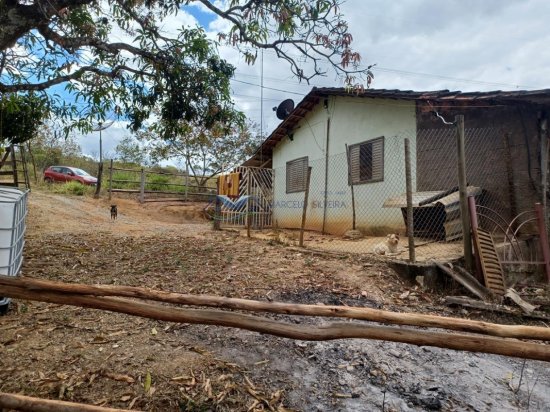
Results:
[357, 198]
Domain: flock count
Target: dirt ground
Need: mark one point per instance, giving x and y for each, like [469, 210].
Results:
[425, 250]
[108, 359]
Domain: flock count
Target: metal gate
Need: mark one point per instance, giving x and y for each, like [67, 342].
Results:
[255, 200]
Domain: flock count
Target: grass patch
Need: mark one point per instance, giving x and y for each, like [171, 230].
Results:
[72, 188]
[123, 180]
[158, 182]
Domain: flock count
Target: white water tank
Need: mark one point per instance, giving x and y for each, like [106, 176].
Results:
[13, 210]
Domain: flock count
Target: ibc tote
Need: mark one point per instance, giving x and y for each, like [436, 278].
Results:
[13, 210]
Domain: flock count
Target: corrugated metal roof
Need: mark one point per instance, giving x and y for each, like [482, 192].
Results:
[418, 197]
[313, 97]
[439, 219]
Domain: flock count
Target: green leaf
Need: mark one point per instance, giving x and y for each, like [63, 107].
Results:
[147, 383]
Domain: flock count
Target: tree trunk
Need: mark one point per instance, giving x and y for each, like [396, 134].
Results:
[368, 314]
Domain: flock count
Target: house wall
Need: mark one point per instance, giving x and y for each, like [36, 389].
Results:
[510, 186]
[352, 120]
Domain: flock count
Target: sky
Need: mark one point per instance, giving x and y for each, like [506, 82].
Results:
[467, 45]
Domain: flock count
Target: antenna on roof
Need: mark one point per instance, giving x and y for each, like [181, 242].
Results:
[102, 126]
[284, 109]
[98, 128]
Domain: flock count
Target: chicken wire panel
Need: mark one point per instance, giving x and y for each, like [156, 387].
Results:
[363, 187]
[348, 191]
[494, 164]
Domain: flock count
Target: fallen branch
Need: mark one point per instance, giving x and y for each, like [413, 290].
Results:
[472, 343]
[26, 403]
[491, 307]
[373, 315]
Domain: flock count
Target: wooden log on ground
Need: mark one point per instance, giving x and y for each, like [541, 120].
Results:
[10, 401]
[368, 314]
[472, 343]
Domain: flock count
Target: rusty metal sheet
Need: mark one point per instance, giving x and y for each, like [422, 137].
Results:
[401, 200]
[490, 264]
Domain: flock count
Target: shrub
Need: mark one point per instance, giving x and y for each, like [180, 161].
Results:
[122, 179]
[72, 188]
[158, 182]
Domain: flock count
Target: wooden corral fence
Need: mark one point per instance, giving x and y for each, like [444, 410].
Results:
[153, 186]
[13, 167]
[253, 207]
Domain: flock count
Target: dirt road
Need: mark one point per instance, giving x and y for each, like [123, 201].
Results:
[101, 358]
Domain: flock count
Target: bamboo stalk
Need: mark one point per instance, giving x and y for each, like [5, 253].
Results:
[472, 343]
[26, 403]
[368, 314]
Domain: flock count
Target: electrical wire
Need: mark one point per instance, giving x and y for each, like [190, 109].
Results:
[269, 88]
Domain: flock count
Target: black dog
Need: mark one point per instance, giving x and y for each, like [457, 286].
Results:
[114, 212]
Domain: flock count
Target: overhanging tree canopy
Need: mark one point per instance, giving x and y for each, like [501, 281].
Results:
[112, 57]
[20, 117]
[207, 151]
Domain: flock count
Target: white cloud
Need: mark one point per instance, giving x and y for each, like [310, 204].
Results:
[110, 138]
[417, 44]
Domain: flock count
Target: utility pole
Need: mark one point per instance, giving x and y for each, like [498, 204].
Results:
[100, 126]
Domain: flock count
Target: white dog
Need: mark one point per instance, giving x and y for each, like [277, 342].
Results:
[387, 247]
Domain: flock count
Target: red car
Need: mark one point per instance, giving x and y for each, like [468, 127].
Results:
[67, 174]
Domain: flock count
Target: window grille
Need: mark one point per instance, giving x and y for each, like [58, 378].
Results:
[296, 175]
[367, 161]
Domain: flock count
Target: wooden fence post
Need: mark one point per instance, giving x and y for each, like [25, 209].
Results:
[410, 217]
[99, 179]
[142, 187]
[543, 238]
[33, 162]
[186, 180]
[14, 165]
[248, 208]
[463, 192]
[350, 180]
[110, 178]
[217, 207]
[304, 210]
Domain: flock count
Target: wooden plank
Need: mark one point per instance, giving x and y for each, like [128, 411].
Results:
[167, 199]
[490, 264]
[514, 296]
[467, 280]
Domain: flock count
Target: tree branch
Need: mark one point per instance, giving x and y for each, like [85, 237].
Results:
[18, 19]
[11, 88]
[71, 44]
